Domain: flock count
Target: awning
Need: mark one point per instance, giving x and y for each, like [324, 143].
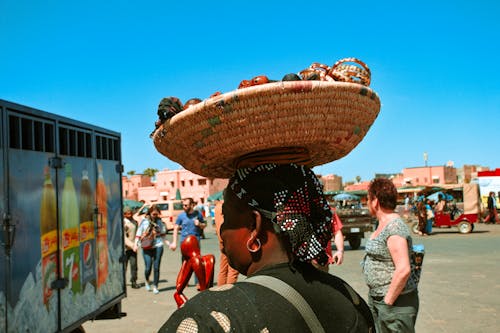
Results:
[413, 189]
[216, 196]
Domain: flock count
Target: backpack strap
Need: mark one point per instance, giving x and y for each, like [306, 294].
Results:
[291, 295]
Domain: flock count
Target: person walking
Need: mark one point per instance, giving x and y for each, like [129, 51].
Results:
[150, 236]
[190, 222]
[492, 209]
[393, 295]
[429, 217]
[129, 231]
[422, 218]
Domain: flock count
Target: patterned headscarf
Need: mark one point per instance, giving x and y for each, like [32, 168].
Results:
[291, 197]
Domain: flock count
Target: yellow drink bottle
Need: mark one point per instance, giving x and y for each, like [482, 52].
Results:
[87, 233]
[48, 232]
[102, 229]
[70, 224]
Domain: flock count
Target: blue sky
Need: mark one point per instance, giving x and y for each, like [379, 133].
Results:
[434, 65]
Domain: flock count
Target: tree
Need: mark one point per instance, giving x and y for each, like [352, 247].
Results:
[131, 172]
[150, 172]
[358, 179]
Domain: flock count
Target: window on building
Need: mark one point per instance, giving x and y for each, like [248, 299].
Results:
[191, 182]
[171, 184]
[183, 183]
[202, 181]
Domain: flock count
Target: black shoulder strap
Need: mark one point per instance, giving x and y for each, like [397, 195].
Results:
[292, 296]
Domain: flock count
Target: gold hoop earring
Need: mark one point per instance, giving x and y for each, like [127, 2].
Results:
[258, 245]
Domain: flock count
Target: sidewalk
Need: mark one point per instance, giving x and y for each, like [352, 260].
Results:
[458, 291]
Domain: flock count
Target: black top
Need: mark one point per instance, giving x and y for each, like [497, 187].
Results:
[247, 307]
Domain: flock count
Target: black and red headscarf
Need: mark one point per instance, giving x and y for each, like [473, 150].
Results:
[291, 196]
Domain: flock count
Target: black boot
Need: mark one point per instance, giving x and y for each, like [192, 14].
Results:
[135, 285]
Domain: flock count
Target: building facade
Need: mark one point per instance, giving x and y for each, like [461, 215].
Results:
[331, 183]
[171, 184]
[130, 186]
[430, 175]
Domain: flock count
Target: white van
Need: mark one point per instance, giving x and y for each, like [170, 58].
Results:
[169, 210]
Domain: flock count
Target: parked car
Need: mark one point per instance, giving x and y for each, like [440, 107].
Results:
[356, 220]
[169, 211]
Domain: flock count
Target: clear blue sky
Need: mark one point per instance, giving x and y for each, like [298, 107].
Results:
[435, 66]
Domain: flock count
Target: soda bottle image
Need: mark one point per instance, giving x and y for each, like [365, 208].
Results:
[87, 233]
[70, 224]
[48, 232]
[102, 228]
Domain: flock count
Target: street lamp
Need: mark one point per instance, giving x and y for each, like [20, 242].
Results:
[426, 157]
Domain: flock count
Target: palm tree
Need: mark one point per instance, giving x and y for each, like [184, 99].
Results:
[358, 179]
[150, 172]
[131, 172]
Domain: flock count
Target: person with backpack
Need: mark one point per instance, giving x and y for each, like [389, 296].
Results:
[393, 295]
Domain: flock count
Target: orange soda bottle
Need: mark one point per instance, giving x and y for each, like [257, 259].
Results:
[102, 226]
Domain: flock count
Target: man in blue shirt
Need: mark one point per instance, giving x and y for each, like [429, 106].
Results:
[191, 223]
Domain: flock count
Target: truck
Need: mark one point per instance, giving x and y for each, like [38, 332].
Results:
[356, 220]
[61, 234]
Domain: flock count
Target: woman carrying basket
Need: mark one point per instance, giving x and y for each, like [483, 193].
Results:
[276, 221]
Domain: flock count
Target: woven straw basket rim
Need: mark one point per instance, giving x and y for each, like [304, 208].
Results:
[304, 122]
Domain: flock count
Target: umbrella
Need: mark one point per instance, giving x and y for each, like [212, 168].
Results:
[435, 196]
[345, 196]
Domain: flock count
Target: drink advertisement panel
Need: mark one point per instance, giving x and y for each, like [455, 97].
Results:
[55, 208]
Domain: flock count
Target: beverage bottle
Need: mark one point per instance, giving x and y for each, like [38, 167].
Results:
[102, 228]
[48, 233]
[70, 224]
[87, 233]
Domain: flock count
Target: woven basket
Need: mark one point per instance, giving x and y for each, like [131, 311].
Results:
[305, 122]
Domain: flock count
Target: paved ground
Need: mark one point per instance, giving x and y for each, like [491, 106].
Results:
[459, 289]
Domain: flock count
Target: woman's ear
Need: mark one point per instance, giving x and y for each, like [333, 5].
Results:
[256, 225]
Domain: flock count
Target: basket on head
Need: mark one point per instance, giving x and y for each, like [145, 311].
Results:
[302, 122]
